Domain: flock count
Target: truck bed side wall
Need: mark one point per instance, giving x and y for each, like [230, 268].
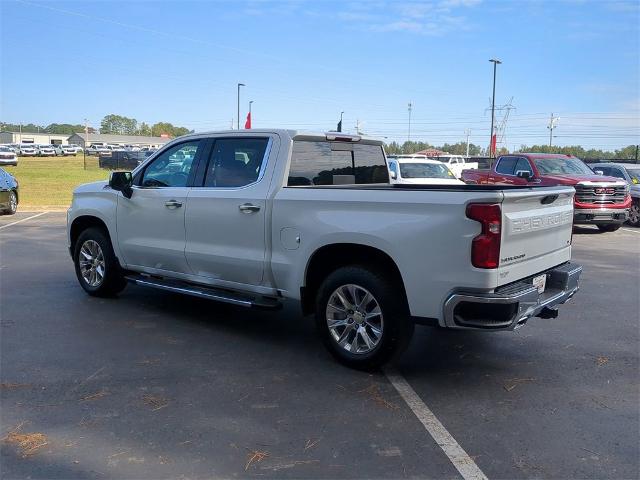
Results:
[426, 233]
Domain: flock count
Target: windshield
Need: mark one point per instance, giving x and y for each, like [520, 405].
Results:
[5, 149]
[425, 170]
[561, 166]
[634, 173]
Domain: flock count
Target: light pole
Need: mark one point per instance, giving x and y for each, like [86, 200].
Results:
[340, 122]
[86, 144]
[409, 133]
[467, 132]
[551, 126]
[238, 118]
[493, 106]
[250, 117]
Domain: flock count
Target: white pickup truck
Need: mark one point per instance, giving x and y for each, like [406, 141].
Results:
[457, 163]
[258, 216]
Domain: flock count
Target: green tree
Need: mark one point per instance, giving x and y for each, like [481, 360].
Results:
[144, 129]
[627, 152]
[166, 128]
[118, 124]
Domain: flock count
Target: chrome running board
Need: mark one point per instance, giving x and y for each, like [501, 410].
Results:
[216, 294]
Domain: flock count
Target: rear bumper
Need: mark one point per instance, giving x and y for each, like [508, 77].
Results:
[510, 306]
[584, 216]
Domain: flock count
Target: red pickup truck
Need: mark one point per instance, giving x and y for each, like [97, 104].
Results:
[603, 201]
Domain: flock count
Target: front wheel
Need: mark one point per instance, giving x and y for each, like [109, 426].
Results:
[634, 213]
[13, 203]
[362, 317]
[96, 264]
[609, 227]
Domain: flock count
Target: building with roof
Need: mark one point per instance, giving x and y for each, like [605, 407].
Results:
[35, 138]
[104, 138]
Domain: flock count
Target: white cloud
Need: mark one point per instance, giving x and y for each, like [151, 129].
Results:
[432, 18]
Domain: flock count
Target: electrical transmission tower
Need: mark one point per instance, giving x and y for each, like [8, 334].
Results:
[502, 117]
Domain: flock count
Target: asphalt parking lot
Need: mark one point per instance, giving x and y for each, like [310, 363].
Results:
[154, 385]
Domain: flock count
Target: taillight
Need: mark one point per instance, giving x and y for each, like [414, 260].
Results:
[485, 248]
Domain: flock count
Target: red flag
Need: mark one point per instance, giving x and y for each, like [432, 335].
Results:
[247, 124]
[494, 141]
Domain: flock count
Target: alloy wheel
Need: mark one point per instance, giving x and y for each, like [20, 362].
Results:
[354, 318]
[92, 264]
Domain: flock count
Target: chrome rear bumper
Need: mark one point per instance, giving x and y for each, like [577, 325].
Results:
[510, 306]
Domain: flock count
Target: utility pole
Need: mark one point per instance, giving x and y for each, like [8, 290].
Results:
[358, 127]
[86, 144]
[250, 102]
[238, 119]
[552, 124]
[467, 132]
[410, 107]
[495, 62]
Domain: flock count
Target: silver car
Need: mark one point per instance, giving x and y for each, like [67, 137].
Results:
[8, 156]
[28, 150]
[64, 150]
[46, 151]
[630, 172]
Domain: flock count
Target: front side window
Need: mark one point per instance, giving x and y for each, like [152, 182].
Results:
[235, 162]
[336, 163]
[523, 166]
[172, 167]
[506, 165]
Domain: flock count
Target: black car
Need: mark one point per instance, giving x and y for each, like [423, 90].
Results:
[8, 193]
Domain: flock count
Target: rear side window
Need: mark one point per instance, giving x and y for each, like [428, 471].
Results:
[235, 162]
[336, 163]
[506, 165]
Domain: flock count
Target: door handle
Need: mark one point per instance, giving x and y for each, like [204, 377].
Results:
[173, 204]
[249, 208]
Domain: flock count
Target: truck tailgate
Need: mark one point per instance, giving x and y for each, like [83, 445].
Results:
[536, 231]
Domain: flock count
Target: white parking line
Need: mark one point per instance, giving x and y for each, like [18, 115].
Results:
[460, 459]
[23, 220]
[629, 230]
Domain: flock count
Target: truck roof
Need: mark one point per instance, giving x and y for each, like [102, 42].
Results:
[541, 155]
[293, 134]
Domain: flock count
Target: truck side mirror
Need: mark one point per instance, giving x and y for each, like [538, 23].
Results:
[393, 175]
[122, 182]
[526, 174]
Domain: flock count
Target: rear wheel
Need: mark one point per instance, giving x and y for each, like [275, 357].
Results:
[609, 227]
[96, 264]
[362, 317]
[634, 213]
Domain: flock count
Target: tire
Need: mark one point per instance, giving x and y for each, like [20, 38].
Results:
[609, 227]
[94, 246]
[13, 203]
[393, 323]
[634, 214]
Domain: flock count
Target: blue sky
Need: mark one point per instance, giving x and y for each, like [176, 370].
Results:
[306, 61]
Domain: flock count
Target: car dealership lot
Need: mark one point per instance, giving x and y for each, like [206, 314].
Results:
[153, 385]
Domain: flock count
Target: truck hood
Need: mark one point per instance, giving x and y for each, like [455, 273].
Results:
[91, 187]
[574, 179]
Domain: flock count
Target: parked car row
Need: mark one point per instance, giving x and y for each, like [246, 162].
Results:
[607, 194]
[42, 150]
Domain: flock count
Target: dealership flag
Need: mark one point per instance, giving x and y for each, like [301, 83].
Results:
[494, 141]
[247, 124]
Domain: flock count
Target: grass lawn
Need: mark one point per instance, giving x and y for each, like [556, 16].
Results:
[47, 182]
